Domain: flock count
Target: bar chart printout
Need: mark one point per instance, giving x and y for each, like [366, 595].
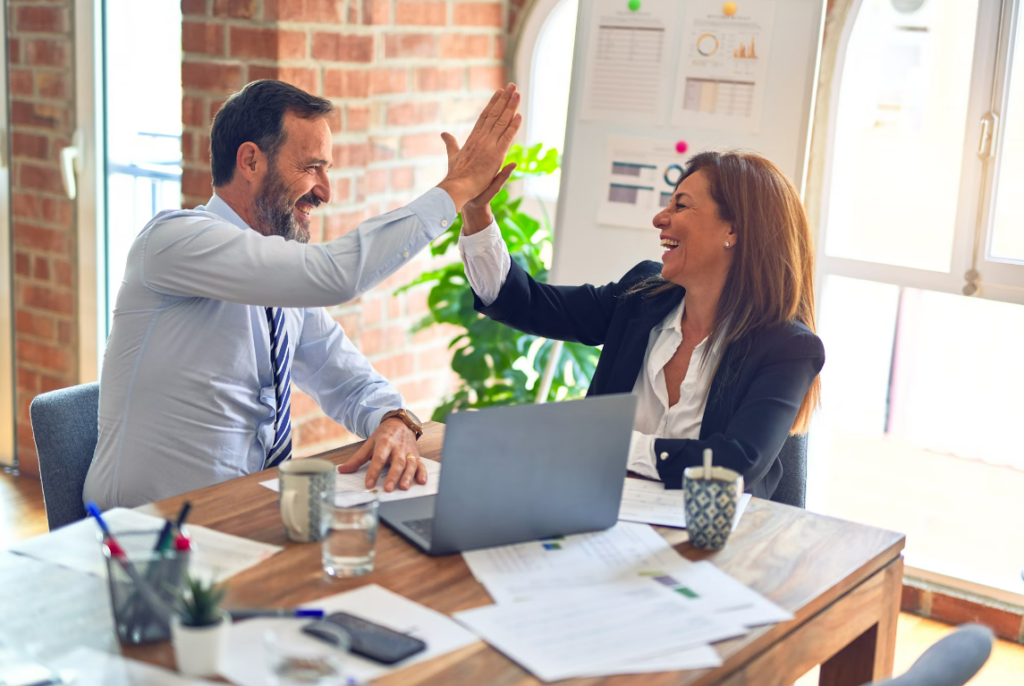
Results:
[640, 180]
[627, 58]
[723, 66]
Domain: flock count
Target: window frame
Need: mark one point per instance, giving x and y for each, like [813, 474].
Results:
[92, 305]
[1007, 278]
[970, 203]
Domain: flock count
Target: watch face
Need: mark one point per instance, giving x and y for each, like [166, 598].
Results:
[413, 417]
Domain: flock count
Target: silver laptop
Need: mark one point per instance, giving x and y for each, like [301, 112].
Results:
[514, 474]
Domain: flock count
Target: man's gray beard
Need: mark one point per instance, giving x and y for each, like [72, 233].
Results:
[274, 213]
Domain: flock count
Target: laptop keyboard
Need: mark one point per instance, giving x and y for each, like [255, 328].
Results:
[423, 527]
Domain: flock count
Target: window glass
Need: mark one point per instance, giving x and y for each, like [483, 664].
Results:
[899, 133]
[918, 432]
[550, 75]
[142, 77]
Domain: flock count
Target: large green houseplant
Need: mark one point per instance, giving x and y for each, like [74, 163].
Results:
[498, 365]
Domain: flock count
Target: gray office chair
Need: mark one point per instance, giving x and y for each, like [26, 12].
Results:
[792, 488]
[64, 424]
[952, 661]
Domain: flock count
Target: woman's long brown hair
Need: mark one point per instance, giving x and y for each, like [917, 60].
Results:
[771, 280]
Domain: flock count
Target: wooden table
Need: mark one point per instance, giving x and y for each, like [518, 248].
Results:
[841, 580]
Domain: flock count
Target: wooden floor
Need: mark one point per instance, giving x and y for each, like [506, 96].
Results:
[22, 515]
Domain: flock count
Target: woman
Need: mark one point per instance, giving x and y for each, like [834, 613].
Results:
[717, 341]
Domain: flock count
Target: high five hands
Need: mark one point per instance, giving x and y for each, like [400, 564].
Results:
[475, 168]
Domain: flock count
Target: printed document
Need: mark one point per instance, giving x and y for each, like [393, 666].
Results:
[723, 66]
[217, 556]
[55, 609]
[650, 502]
[640, 176]
[628, 553]
[357, 482]
[628, 61]
[605, 633]
[708, 589]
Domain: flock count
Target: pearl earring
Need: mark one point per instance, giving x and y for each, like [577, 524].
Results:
[728, 244]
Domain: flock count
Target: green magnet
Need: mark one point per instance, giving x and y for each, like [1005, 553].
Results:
[634, 5]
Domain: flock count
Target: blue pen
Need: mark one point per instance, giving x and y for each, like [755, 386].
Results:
[93, 510]
[238, 615]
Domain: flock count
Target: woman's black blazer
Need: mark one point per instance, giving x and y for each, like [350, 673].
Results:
[754, 396]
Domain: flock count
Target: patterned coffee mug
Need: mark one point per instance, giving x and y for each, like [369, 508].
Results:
[303, 485]
[710, 505]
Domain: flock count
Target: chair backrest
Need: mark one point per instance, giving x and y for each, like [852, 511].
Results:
[792, 488]
[952, 661]
[64, 424]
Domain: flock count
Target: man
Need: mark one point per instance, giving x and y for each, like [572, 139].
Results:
[221, 307]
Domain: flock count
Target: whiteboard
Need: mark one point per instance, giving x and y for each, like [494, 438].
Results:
[587, 251]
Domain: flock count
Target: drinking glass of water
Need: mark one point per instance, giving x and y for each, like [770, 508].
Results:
[350, 523]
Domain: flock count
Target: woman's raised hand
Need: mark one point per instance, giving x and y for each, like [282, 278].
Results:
[476, 166]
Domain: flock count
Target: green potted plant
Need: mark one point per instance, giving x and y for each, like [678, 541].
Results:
[199, 630]
[496, 364]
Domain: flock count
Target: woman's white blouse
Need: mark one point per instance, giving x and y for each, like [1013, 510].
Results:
[487, 262]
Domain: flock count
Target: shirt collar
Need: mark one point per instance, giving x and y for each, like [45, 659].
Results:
[674, 320]
[223, 210]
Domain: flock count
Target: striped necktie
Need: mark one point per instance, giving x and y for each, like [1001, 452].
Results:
[281, 358]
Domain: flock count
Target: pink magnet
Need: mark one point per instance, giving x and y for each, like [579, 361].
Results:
[682, 147]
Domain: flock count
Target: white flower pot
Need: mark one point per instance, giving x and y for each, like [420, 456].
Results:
[198, 650]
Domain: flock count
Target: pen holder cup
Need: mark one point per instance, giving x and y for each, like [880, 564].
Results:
[144, 584]
[710, 505]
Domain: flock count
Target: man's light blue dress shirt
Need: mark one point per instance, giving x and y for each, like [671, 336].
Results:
[187, 388]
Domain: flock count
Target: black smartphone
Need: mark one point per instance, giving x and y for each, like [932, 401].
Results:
[370, 640]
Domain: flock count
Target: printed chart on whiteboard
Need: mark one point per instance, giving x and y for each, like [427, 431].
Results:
[626, 61]
[723, 65]
[641, 175]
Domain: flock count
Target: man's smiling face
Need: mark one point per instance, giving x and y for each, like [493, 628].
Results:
[296, 179]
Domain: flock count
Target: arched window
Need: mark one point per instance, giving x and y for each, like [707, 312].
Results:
[915, 166]
[543, 65]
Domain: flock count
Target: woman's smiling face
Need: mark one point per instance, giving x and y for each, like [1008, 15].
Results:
[694, 235]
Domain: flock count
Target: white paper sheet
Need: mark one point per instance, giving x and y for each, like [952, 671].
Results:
[357, 482]
[703, 586]
[628, 61]
[628, 553]
[376, 604]
[217, 556]
[701, 657]
[640, 178]
[650, 502]
[93, 668]
[605, 632]
[50, 610]
[723, 66]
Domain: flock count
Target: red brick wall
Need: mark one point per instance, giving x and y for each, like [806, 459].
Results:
[42, 113]
[400, 72]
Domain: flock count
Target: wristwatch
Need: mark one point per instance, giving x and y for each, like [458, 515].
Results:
[408, 418]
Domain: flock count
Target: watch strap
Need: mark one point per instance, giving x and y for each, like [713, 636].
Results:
[402, 415]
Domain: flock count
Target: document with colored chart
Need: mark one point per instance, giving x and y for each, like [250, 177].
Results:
[640, 177]
[723, 65]
[612, 631]
[627, 553]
